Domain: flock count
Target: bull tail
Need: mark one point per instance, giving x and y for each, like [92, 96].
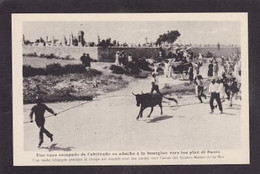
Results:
[172, 99]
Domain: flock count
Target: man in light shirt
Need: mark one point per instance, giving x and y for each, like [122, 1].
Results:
[214, 90]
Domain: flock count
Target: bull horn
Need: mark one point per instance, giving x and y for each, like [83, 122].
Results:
[133, 94]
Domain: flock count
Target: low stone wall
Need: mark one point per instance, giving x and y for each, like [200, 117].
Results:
[62, 51]
[108, 54]
[98, 53]
[224, 51]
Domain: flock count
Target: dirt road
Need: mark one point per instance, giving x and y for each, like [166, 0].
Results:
[110, 124]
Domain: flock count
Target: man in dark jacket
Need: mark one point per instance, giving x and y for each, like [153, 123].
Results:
[39, 110]
[85, 59]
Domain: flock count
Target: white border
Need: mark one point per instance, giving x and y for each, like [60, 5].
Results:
[22, 158]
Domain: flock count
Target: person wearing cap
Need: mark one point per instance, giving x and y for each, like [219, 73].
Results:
[155, 83]
[214, 90]
[38, 110]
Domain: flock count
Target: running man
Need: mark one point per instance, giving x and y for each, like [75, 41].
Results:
[233, 90]
[214, 90]
[200, 84]
[39, 110]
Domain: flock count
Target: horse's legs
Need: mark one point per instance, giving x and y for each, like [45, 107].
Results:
[150, 112]
[140, 113]
[143, 108]
[161, 108]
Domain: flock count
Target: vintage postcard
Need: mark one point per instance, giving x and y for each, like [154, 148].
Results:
[130, 89]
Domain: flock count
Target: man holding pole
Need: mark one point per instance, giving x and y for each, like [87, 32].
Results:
[39, 110]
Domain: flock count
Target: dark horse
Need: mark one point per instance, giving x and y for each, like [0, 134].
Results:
[149, 100]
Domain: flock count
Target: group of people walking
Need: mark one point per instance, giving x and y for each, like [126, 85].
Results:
[224, 76]
[222, 87]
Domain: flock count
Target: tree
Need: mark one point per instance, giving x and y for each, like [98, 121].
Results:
[105, 43]
[114, 42]
[170, 37]
[125, 44]
[92, 44]
[102, 43]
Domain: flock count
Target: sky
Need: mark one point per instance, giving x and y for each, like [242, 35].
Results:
[194, 32]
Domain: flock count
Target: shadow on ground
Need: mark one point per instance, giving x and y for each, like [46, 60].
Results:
[54, 147]
[228, 113]
[156, 119]
[232, 108]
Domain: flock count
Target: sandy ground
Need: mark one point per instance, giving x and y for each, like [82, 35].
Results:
[109, 123]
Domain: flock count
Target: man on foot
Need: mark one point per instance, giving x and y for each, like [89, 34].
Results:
[214, 90]
[39, 110]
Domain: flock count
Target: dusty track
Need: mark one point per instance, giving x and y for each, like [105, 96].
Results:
[110, 124]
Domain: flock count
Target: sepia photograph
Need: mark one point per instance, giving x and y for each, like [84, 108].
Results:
[130, 89]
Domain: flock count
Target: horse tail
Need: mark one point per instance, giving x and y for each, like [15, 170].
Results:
[172, 99]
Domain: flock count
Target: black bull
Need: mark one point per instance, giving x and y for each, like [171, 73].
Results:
[149, 100]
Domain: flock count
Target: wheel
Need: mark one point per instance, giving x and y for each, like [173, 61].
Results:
[185, 76]
[173, 75]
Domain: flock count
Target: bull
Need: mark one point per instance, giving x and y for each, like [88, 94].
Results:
[149, 100]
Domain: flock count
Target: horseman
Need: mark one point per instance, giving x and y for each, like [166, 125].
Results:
[155, 83]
